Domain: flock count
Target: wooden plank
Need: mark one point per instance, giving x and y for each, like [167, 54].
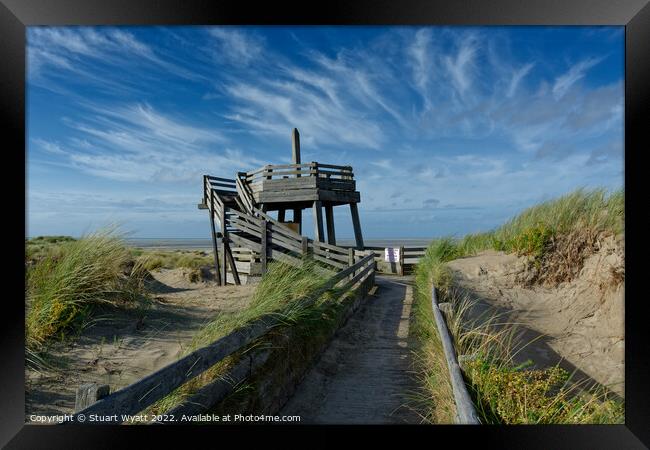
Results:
[335, 248]
[281, 241]
[360, 276]
[356, 223]
[335, 185]
[227, 180]
[284, 184]
[339, 196]
[330, 262]
[465, 411]
[285, 231]
[318, 221]
[347, 271]
[243, 226]
[331, 255]
[297, 195]
[280, 256]
[139, 395]
[246, 242]
[329, 218]
[411, 260]
[263, 240]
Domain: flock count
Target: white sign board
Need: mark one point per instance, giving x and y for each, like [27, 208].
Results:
[391, 254]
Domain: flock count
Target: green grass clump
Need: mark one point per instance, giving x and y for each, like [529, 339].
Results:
[63, 287]
[516, 395]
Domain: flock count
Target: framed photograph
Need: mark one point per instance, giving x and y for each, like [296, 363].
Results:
[411, 214]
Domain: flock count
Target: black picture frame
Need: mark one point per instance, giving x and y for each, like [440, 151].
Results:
[15, 15]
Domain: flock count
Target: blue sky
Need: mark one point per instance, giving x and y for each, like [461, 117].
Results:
[450, 130]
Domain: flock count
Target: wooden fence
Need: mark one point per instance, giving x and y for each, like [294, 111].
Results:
[409, 257]
[465, 411]
[136, 397]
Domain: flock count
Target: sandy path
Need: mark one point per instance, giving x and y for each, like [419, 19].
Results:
[364, 376]
[124, 346]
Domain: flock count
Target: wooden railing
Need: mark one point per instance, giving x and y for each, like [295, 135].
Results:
[145, 392]
[465, 410]
[312, 169]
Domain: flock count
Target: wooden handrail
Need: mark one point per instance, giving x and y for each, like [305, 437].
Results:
[465, 410]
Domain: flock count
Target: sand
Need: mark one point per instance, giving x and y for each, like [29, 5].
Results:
[121, 347]
[580, 323]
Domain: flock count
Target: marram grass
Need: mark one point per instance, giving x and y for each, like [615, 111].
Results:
[63, 286]
[505, 393]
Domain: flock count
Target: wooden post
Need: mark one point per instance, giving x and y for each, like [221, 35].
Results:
[318, 222]
[351, 261]
[281, 215]
[295, 147]
[401, 260]
[304, 246]
[357, 225]
[297, 218]
[89, 393]
[263, 252]
[215, 245]
[224, 246]
[329, 216]
[233, 267]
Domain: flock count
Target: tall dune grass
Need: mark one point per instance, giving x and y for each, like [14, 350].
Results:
[503, 392]
[63, 286]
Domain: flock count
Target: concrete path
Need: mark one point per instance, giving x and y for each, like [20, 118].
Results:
[365, 375]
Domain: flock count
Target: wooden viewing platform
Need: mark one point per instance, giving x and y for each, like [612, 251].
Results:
[239, 208]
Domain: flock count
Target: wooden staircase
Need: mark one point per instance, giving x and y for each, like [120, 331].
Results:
[245, 238]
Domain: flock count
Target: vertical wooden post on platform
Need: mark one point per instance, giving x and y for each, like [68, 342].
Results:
[224, 246]
[215, 245]
[264, 241]
[356, 223]
[329, 216]
[295, 158]
[318, 221]
[281, 215]
[401, 260]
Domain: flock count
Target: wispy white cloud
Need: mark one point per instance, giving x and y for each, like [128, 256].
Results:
[236, 46]
[564, 82]
[461, 66]
[517, 76]
[139, 143]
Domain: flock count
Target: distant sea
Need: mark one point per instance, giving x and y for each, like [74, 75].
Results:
[206, 244]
